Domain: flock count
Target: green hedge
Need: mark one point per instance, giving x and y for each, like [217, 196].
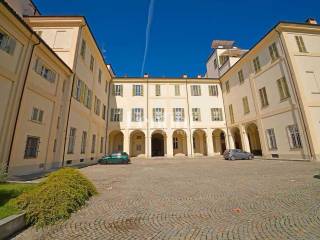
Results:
[62, 193]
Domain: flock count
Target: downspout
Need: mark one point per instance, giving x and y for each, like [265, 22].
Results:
[189, 121]
[294, 87]
[147, 137]
[20, 102]
[107, 117]
[73, 81]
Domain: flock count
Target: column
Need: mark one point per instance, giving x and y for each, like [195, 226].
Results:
[209, 143]
[126, 141]
[189, 145]
[244, 139]
[229, 140]
[149, 145]
[146, 145]
[169, 144]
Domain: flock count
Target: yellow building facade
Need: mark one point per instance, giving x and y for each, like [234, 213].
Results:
[62, 105]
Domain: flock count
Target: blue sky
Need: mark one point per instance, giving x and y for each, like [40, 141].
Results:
[181, 31]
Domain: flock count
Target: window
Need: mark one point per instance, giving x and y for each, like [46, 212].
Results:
[273, 52]
[263, 97]
[196, 115]
[97, 105]
[77, 90]
[223, 59]
[256, 64]
[158, 114]
[294, 137]
[101, 144]
[177, 90]
[83, 49]
[240, 76]
[99, 76]
[283, 88]
[137, 115]
[104, 108]
[216, 114]
[213, 90]
[215, 64]
[178, 114]
[72, 140]
[83, 142]
[227, 87]
[300, 43]
[32, 147]
[93, 146]
[91, 63]
[7, 43]
[231, 113]
[116, 114]
[54, 145]
[137, 90]
[158, 90]
[195, 90]
[88, 98]
[37, 115]
[271, 137]
[117, 90]
[245, 103]
[44, 71]
[175, 143]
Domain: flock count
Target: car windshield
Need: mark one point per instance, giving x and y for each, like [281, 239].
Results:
[115, 154]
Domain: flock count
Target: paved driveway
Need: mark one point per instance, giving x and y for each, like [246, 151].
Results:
[197, 199]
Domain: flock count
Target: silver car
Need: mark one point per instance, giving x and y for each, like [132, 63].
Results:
[233, 154]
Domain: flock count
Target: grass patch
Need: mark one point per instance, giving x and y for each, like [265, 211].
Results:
[54, 199]
[9, 191]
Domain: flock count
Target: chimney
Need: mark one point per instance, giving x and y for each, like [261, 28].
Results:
[312, 21]
[146, 75]
[199, 76]
[185, 76]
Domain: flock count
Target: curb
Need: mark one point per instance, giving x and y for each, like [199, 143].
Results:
[11, 225]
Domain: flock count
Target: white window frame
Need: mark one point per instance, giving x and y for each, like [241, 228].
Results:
[116, 114]
[83, 142]
[158, 114]
[117, 90]
[263, 97]
[137, 115]
[177, 90]
[178, 114]
[196, 114]
[158, 90]
[273, 51]
[213, 90]
[271, 139]
[295, 141]
[7, 43]
[283, 88]
[256, 64]
[137, 90]
[216, 114]
[72, 140]
[195, 90]
[37, 115]
[31, 151]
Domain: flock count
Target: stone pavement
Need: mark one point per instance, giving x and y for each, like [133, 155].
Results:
[201, 198]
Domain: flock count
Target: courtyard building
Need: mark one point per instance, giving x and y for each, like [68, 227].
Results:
[62, 104]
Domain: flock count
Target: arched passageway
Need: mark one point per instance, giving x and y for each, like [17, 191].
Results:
[254, 139]
[158, 144]
[137, 144]
[179, 140]
[236, 138]
[199, 142]
[115, 141]
[219, 141]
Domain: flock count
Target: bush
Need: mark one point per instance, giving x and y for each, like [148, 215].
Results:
[3, 174]
[62, 193]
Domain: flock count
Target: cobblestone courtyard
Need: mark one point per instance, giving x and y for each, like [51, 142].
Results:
[197, 199]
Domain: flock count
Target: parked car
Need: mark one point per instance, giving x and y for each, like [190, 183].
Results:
[115, 158]
[233, 154]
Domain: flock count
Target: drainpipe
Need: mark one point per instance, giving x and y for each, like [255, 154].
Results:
[295, 89]
[191, 137]
[73, 81]
[107, 117]
[20, 103]
[147, 137]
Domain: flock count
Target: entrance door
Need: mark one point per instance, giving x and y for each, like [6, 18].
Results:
[157, 145]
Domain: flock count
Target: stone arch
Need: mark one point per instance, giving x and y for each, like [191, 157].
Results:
[199, 140]
[137, 144]
[115, 141]
[254, 139]
[158, 143]
[219, 141]
[236, 136]
[179, 141]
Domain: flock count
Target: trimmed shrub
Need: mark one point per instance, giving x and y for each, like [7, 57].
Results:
[61, 194]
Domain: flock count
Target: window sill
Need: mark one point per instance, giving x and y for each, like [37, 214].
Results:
[284, 99]
[295, 149]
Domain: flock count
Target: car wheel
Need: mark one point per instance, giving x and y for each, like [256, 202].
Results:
[232, 158]
[250, 158]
